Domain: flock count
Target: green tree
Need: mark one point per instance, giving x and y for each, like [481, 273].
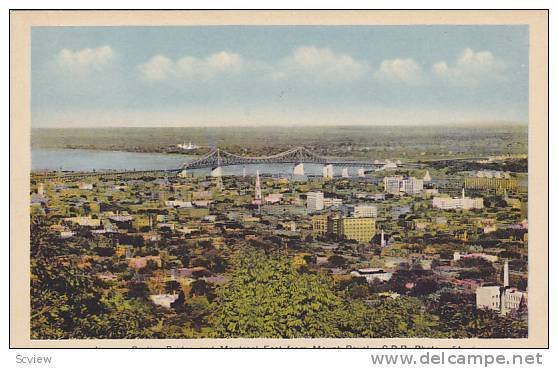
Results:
[138, 290]
[67, 302]
[337, 260]
[461, 319]
[172, 287]
[267, 297]
[401, 317]
[201, 288]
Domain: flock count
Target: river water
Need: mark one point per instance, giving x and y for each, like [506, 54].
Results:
[90, 160]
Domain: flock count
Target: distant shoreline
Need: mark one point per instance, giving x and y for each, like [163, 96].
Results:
[361, 142]
[88, 148]
[291, 126]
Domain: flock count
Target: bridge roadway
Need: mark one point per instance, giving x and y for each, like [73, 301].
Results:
[299, 155]
[216, 159]
[72, 175]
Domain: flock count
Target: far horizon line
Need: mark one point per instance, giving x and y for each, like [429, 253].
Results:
[460, 124]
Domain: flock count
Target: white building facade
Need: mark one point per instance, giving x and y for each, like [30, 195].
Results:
[361, 210]
[465, 203]
[371, 274]
[314, 201]
[398, 184]
[501, 298]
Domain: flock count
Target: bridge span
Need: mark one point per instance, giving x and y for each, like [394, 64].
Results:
[218, 158]
[299, 155]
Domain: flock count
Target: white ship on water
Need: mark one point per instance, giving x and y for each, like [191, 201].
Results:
[187, 147]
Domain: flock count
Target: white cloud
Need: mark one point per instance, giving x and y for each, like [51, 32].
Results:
[304, 63]
[319, 64]
[84, 61]
[471, 68]
[405, 71]
[160, 67]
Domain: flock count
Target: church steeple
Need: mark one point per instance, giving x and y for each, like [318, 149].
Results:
[258, 190]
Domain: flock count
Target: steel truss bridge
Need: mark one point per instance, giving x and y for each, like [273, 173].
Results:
[215, 159]
[299, 155]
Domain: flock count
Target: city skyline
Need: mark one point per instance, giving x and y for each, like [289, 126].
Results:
[270, 75]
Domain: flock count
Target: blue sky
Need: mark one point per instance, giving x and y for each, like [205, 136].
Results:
[269, 75]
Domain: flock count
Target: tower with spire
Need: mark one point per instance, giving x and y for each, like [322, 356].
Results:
[258, 190]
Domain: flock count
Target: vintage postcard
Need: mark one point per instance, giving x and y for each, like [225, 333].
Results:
[279, 179]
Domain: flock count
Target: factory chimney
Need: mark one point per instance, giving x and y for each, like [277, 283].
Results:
[506, 275]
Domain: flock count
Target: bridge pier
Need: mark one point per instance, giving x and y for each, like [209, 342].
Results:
[217, 172]
[328, 172]
[298, 169]
[345, 172]
[216, 159]
[361, 173]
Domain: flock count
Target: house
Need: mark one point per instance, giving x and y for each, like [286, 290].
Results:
[124, 250]
[141, 262]
[163, 300]
[84, 221]
[273, 198]
[371, 274]
[178, 204]
[487, 257]
[66, 234]
[184, 272]
[86, 186]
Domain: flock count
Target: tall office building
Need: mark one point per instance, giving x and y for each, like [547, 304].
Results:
[398, 184]
[332, 202]
[319, 224]
[412, 185]
[361, 229]
[359, 210]
[315, 201]
[497, 184]
[392, 184]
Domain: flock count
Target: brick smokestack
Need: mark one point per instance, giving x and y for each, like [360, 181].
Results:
[506, 274]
